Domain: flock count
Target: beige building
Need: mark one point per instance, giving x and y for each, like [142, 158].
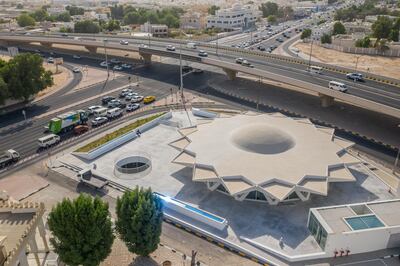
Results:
[156, 30]
[192, 21]
[19, 223]
[270, 158]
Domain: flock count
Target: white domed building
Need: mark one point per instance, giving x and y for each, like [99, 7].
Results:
[265, 157]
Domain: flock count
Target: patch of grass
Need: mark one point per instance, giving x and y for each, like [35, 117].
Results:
[119, 132]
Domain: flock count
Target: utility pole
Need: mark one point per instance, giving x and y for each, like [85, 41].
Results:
[105, 52]
[180, 69]
[309, 60]
[217, 45]
[358, 57]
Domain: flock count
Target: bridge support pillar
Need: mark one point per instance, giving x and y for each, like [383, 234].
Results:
[91, 49]
[146, 58]
[230, 73]
[46, 44]
[326, 100]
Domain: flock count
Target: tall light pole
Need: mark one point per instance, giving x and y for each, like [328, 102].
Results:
[358, 57]
[309, 60]
[397, 157]
[105, 52]
[217, 45]
[180, 69]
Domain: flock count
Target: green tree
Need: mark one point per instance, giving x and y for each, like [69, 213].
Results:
[326, 38]
[306, 34]
[112, 25]
[212, 9]
[171, 21]
[4, 95]
[338, 28]
[24, 20]
[86, 26]
[363, 43]
[40, 15]
[394, 35]
[271, 19]
[74, 10]
[382, 27]
[82, 230]
[139, 219]
[25, 76]
[65, 17]
[66, 30]
[132, 17]
[117, 11]
[269, 8]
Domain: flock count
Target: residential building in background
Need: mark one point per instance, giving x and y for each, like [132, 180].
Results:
[156, 30]
[237, 17]
[192, 21]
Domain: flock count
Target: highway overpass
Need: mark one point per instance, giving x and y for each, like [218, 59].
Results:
[387, 103]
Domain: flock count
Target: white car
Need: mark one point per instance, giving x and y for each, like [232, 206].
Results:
[124, 42]
[115, 61]
[91, 109]
[132, 107]
[170, 48]
[143, 46]
[239, 60]
[76, 70]
[50, 60]
[203, 53]
[99, 121]
[124, 92]
[130, 95]
[126, 66]
[103, 64]
[136, 98]
[76, 57]
[355, 76]
[117, 68]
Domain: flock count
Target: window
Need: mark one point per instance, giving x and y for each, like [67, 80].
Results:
[222, 189]
[292, 196]
[256, 195]
[317, 231]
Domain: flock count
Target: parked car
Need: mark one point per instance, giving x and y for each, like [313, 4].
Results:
[136, 98]
[106, 99]
[80, 129]
[98, 121]
[149, 99]
[124, 42]
[170, 48]
[132, 107]
[76, 70]
[355, 76]
[203, 53]
[126, 66]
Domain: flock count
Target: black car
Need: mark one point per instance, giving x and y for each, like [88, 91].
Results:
[187, 68]
[106, 99]
[122, 105]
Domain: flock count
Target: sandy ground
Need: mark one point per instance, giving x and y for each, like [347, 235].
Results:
[385, 66]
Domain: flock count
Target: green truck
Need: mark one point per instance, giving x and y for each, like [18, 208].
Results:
[67, 121]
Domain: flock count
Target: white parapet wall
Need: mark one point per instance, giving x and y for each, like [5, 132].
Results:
[193, 212]
[203, 113]
[112, 144]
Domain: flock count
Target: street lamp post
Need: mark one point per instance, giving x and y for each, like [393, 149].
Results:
[217, 45]
[397, 157]
[309, 60]
[105, 52]
[358, 57]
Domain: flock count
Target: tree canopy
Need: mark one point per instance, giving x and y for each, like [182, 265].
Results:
[272, 9]
[168, 16]
[338, 28]
[82, 231]
[382, 27]
[364, 42]
[24, 20]
[86, 26]
[326, 38]
[139, 218]
[306, 34]
[360, 12]
[23, 76]
[74, 10]
[212, 9]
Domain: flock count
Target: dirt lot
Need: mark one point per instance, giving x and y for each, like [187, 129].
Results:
[385, 66]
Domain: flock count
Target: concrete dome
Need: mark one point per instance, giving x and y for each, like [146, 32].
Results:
[261, 138]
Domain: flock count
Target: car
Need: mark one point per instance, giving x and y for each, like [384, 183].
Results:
[113, 103]
[170, 48]
[76, 56]
[203, 53]
[198, 71]
[239, 60]
[50, 60]
[143, 46]
[117, 68]
[104, 64]
[149, 99]
[355, 76]
[123, 42]
[27, 33]
[262, 48]
[91, 109]
[132, 107]
[98, 121]
[64, 35]
[136, 99]
[124, 92]
[106, 99]
[126, 66]
[129, 96]
[76, 70]
[80, 129]
[115, 61]
[247, 63]
[187, 68]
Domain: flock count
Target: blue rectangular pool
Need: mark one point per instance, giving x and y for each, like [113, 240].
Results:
[364, 222]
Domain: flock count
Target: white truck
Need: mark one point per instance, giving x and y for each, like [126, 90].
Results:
[8, 157]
